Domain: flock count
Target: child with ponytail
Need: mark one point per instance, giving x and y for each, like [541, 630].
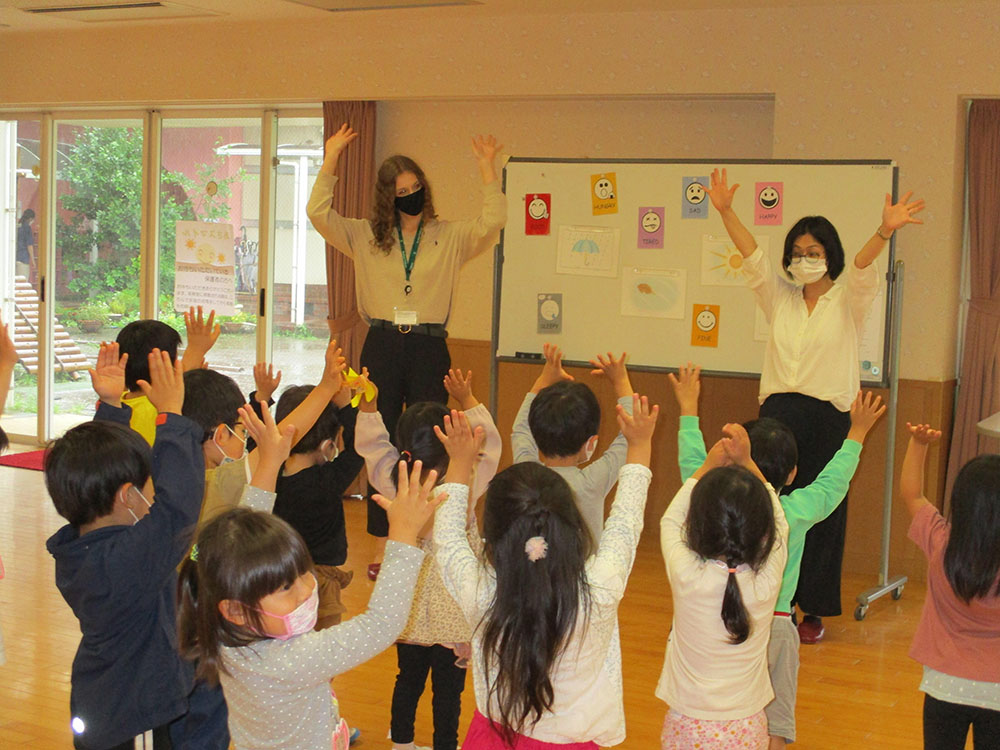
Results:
[436, 637]
[724, 540]
[546, 656]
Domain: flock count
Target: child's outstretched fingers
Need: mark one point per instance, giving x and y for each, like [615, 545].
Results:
[923, 433]
[687, 388]
[165, 389]
[736, 443]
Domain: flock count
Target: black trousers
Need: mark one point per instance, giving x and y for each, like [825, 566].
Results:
[820, 430]
[447, 684]
[407, 368]
[946, 725]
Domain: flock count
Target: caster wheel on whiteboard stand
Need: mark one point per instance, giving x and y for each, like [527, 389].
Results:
[860, 611]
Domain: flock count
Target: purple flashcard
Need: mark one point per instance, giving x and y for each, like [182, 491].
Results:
[694, 198]
[767, 205]
[650, 234]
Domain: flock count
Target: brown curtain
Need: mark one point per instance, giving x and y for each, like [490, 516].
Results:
[352, 198]
[979, 384]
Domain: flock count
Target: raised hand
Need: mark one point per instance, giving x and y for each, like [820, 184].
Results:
[736, 443]
[273, 443]
[334, 365]
[201, 336]
[719, 191]
[614, 370]
[108, 375]
[865, 412]
[900, 214]
[553, 370]
[462, 444]
[485, 147]
[339, 140]
[8, 353]
[459, 387]
[923, 433]
[265, 380]
[687, 388]
[165, 389]
[638, 428]
[414, 504]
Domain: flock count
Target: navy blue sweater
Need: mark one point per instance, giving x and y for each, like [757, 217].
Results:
[121, 583]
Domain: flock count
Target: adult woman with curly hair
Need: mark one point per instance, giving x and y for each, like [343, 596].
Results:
[406, 271]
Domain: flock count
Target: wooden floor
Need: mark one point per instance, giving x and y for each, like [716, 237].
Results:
[856, 689]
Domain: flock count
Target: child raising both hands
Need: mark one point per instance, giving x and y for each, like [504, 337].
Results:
[537, 593]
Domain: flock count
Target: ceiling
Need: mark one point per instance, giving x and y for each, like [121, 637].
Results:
[17, 15]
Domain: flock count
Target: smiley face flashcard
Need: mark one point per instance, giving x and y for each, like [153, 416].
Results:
[694, 198]
[650, 232]
[537, 213]
[768, 200]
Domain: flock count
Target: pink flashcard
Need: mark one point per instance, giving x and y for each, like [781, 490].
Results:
[768, 199]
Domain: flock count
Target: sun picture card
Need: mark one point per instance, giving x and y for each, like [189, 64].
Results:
[653, 293]
[722, 264]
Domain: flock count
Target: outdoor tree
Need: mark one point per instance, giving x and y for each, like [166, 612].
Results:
[98, 231]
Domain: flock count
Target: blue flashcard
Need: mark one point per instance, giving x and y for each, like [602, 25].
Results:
[694, 198]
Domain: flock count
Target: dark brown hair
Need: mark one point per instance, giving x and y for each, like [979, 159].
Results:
[384, 214]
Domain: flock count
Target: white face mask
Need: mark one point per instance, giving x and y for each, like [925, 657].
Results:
[300, 620]
[226, 458]
[590, 451]
[805, 271]
[131, 512]
[336, 452]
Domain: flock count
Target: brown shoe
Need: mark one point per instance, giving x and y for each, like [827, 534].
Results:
[373, 570]
[811, 629]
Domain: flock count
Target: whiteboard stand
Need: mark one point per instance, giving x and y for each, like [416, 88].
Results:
[886, 585]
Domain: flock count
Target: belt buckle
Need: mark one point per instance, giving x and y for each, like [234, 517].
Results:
[406, 328]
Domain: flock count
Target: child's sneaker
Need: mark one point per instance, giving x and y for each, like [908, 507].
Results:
[353, 736]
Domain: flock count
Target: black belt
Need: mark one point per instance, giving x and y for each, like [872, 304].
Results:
[437, 330]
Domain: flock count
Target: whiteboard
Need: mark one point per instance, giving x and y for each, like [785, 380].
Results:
[583, 264]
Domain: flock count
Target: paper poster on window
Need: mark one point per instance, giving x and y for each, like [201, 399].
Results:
[650, 232]
[537, 213]
[705, 325]
[694, 201]
[722, 263]
[653, 293]
[205, 267]
[768, 199]
[589, 251]
[604, 193]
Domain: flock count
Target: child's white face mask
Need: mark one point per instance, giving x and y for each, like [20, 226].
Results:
[226, 458]
[590, 450]
[130, 511]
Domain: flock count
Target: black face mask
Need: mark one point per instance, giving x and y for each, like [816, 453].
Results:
[412, 204]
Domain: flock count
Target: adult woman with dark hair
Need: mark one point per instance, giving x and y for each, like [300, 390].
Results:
[810, 375]
[406, 271]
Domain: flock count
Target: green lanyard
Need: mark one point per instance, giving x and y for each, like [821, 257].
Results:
[408, 262]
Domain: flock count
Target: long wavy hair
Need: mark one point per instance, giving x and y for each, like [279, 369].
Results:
[242, 555]
[384, 215]
[972, 557]
[731, 519]
[535, 610]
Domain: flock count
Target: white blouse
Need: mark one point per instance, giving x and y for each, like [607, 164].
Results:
[815, 354]
[587, 678]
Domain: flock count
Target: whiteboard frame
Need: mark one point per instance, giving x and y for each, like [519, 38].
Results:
[890, 293]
